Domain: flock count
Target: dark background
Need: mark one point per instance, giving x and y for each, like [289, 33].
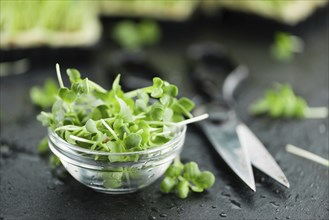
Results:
[30, 191]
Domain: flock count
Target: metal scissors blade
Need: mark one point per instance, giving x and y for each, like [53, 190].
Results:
[259, 156]
[226, 142]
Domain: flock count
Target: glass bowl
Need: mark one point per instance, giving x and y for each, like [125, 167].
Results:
[105, 172]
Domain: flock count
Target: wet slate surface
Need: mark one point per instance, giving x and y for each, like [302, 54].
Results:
[29, 190]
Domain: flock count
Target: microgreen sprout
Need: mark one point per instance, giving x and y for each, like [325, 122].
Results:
[306, 154]
[44, 97]
[91, 117]
[282, 102]
[180, 179]
[133, 36]
[285, 45]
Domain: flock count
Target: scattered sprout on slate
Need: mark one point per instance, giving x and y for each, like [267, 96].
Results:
[281, 102]
[44, 97]
[285, 45]
[134, 36]
[43, 146]
[180, 179]
[89, 116]
[306, 154]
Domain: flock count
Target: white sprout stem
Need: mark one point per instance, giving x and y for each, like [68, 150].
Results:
[162, 133]
[306, 154]
[87, 85]
[192, 120]
[185, 122]
[316, 112]
[133, 93]
[59, 76]
[110, 129]
[97, 87]
[81, 139]
[68, 127]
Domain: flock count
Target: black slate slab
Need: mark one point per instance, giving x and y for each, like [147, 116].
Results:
[28, 190]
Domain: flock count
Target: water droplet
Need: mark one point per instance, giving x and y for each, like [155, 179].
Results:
[163, 215]
[235, 204]
[225, 194]
[277, 191]
[288, 217]
[223, 214]
[276, 217]
[262, 196]
[277, 210]
[296, 197]
[201, 205]
[275, 204]
[152, 217]
[322, 128]
[301, 173]
[154, 209]
[213, 206]
[50, 187]
[150, 176]
[5, 151]
[262, 179]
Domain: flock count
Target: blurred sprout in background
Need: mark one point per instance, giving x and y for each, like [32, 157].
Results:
[134, 36]
[285, 46]
[54, 23]
[76, 23]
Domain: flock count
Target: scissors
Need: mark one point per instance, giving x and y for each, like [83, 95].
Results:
[216, 78]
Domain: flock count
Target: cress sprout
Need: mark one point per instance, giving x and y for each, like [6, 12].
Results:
[285, 46]
[87, 115]
[180, 179]
[281, 102]
[134, 36]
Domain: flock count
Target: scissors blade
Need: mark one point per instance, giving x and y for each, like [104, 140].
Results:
[226, 142]
[259, 155]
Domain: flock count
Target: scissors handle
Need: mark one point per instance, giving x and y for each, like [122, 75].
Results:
[209, 65]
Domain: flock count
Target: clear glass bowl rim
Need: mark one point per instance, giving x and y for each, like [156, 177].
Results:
[67, 146]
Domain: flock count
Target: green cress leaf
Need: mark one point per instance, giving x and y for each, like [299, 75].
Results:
[91, 126]
[174, 170]
[54, 161]
[134, 36]
[191, 171]
[74, 75]
[196, 188]
[112, 179]
[168, 184]
[125, 111]
[182, 189]
[204, 180]
[43, 146]
[149, 32]
[67, 95]
[44, 96]
[132, 141]
[183, 106]
[157, 111]
[125, 34]
[99, 112]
